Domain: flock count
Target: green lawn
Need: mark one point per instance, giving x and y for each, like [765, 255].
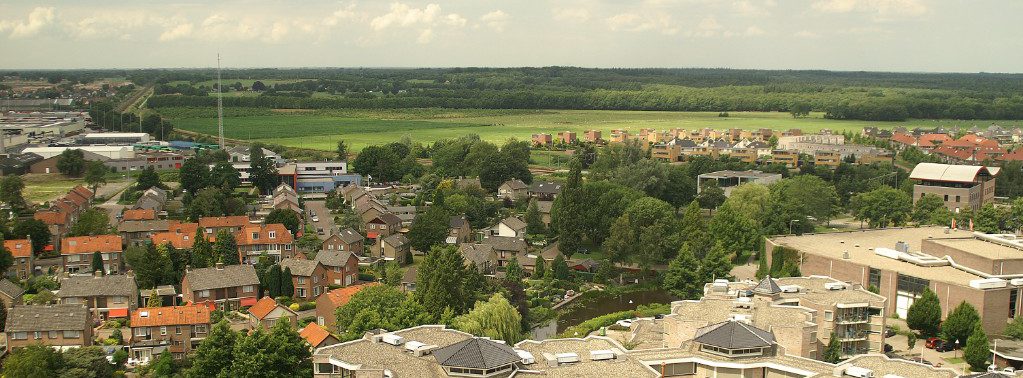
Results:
[320, 129]
[45, 187]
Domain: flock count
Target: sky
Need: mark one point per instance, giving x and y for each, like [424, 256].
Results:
[870, 35]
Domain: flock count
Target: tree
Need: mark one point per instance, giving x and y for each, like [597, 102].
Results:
[11, 188]
[226, 248]
[117, 336]
[164, 365]
[711, 196]
[738, 232]
[379, 306]
[154, 300]
[6, 258]
[1014, 330]
[71, 162]
[559, 268]
[342, 150]
[203, 255]
[924, 315]
[429, 229]
[215, 353]
[95, 174]
[715, 265]
[799, 109]
[86, 362]
[833, 351]
[930, 209]
[380, 163]
[151, 267]
[570, 232]
[882, 206]
[287, 285]
[272, 280]
[262, 169]
[439, 282]
[148, 178]
[798, 202]
[959, 323]
[281, 352]
[287, 217]
[97, 263]
[258, 86]
[540, 269]
[91, 222]
[1015, 221]
[990, 219]
[120, 357]
[977, 349]
[194, 175]
[534, 223]
[33, 361]
[910, 341]
[225, 177]
[496, 318]
[37, 232]
[683, 278]
[513, 271]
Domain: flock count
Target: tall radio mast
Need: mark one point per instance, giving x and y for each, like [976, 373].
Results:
[220, 106]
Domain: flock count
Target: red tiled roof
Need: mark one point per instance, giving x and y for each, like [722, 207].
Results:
[230, 221]
[339, 297]
[281, 234]
[184, 228]
[19, 247]
[1015, 155]
[263, 307]
[955, 153]
[314, 334]
[170, 315]
[51, 218]
[906, 139]
[82, 191]
[929, 140]
[139, 214]
[90, 244]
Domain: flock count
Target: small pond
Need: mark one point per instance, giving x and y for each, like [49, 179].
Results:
[588, 307]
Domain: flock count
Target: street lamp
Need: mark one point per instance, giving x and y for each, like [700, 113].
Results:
[790, 225]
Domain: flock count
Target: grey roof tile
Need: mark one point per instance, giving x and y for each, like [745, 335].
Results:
[299, 267]
[227, 276]
[88, 286]
[60, 317]
[734, 335]
[476, 353]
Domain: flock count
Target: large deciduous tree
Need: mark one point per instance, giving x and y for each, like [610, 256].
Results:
[683, 278]
[496, 318]
[882, 206]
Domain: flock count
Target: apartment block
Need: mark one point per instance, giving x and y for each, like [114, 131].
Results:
[962, 187]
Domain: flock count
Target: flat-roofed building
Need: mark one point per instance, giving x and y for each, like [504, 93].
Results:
[113, 139]
[729, 180]
[962, 187]
[666, 152]
[787, 157]
[542, 139]
[829, 159]
[745, 155]
[980, 269]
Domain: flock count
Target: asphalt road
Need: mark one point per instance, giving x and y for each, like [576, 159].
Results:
[323, 215]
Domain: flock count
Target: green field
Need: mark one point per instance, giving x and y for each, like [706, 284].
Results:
[45, 187]
[321, 129]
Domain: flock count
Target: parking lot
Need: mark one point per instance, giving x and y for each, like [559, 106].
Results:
[939, 359]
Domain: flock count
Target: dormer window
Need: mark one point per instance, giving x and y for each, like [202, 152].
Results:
[255, 236]
[273, 234]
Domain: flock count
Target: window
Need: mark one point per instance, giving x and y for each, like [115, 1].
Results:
[53, 334]
[247, 289]
[72, 334]
[273, 234]
[255, 236]
[829, 316]
[957, 198]
[874, 278]
[946, 198]
[301, 280]
[204, 293]
[120, 299]
[19, 335]
[163, 331]
[177, 330]
[337, 269]
[330, 247]
[37, 335]
[200, 328]
[141, 331]
[1013, 301]
[912, 285]
[301, 292]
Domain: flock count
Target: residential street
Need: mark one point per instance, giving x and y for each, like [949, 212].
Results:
[325, 219]
[112, 191]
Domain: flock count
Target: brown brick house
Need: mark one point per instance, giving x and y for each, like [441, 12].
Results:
[77, 252]
[347, 240]
[254, 239]
[342, 267]
[228, 287]
[138, 215]
[317, 336]
[179, 329]
[137, 232]
[21, 250]
[212, 225]
[10, 293]
[60, 325]
[328, 303]
[382, 226]
[308, 277]
[110, 296]
[267, 312]
[459, 230]
[395, 247]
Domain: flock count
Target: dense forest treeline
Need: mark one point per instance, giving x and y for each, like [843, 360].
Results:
[879, 96]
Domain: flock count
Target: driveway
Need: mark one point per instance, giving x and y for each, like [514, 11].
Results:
[898, 343]
[325, 219]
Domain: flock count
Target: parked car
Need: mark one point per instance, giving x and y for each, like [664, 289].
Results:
[888, 348]
[945, 347]
[932, 342]
[627, 323]
[889, 332]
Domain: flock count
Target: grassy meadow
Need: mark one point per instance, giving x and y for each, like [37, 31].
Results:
[321, 129]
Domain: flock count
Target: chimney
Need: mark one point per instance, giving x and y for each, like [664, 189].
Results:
[130, 273]
[187, 268]
[220, 266]
[97, 273]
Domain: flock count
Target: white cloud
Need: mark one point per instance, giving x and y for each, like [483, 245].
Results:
[754, 30]
[807, 34]
[883, 8]
[708, 27]
[753, 8]
[496, 20]
[38, 19]
[455, 20]
[404, 15]
[342, 14]
[114, 23]
[577, 15]
[177, 32]
[425, 36]
[634, 22]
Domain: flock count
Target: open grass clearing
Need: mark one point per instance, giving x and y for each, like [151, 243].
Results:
[40, 188]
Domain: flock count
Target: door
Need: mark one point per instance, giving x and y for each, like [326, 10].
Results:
[902, 302]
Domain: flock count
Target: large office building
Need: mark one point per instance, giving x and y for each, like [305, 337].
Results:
[963, 187]
[981, 269]
[113, 139]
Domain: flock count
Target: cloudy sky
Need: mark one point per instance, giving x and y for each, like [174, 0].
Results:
[879, 35]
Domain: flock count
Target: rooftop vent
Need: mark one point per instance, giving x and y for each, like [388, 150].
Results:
[743, 318]
[790, 289]
[144, 314]
[602, 355]
[527, 358]
[902, 246]
[412, 346]
[566, 358]
[834, 285]
[856, 371]
[392, 339]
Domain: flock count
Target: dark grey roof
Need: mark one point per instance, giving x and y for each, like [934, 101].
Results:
[506, 243]
[757, 144]
[59, 317]
[456, 221]
[545, 187]
[515, 184]
[299, 267]
[332, 258]
[143, 226]
[476, 253]
[476, 353]
[396, 240]
[767, 286]
[410, 275]
[227, 276]
[734, 335]
[10, 289]
[389, 218]
[148, 203]
[514, 223]
[349, 236]
[88, 286]
[684, 143]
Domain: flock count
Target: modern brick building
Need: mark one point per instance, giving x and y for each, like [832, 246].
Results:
[963, 187]
[309, 278]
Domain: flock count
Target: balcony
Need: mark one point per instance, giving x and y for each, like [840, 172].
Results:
[852, 319]
[852, 336]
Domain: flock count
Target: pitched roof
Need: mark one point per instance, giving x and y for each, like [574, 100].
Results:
[339, 297]
[476, 353]
[410, 275]
[506, 243]
[59, 317]
[456, 221]
[396, 240]
[263, 307]
[138, 215]
[170, 315]
[332, 258]
[477, 253]
[225, 276]
[10, 289]
[143, 225]
[90, 244]
[300, 267]
[281, 234]
[89, 286]
[734, 335]
[545, 187]
[314, 334]
[229, 221]
[947, 173]
[387, 218]
[767, 286]
[51, 217]
[514, 223]
[19, 247]
[180, 240]
[349, 236]
[515, 184]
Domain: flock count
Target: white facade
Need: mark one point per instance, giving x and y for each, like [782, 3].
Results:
[113, 152]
